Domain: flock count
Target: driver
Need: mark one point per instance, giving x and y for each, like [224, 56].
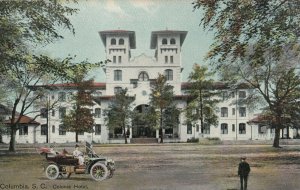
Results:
[78, 154]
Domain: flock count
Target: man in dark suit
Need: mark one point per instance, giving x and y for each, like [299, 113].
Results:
[243, 172]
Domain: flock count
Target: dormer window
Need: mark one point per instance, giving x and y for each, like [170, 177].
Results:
[121, 41]
[164, 41]
[173, 41]
[113, 41]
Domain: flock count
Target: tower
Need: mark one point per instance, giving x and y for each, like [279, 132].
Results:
[118, 44]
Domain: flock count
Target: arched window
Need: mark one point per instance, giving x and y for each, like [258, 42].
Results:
[169, 74]
[164, 41]
[172, 41]
[224, 112]
[121, 41]
[224, 128]
[143, 76]
[113, 41]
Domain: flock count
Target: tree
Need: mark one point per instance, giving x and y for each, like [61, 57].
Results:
[278, 84]
[271, 24]
[25, 24]
[162, 99]
[254, 42]
[202, 103]
[28, 83]
[119, 113]
[81, 119]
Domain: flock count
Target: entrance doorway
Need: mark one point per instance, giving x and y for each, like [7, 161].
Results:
[140, 125]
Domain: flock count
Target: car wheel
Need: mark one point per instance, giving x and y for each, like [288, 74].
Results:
[52, 171]
[99, 171]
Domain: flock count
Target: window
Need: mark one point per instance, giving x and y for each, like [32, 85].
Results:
[242, 128]
[171, 59]
[262, 129]
[121, 41]
[224, 112]
[242, 111]
[224, 128]
[117, 89]
[197, 127]
[169, 74]
[233, 111]
[172, 41]
[166, 59]
[232, 94]
[206, 129]
[44, 129]
[233, 127]
[23, 130]
[242, 94]
[43, 113]
[80, 133]
[114, 59]
[53, 113]
[61, 96]
[97, 129]
[164, 41]
[189, 128]
[62, 112]
[53, 128]
[97, 112]
[143, 76]
[117, 75]
[113, 41]
[120, 59]
[62, 130]
[52, 97]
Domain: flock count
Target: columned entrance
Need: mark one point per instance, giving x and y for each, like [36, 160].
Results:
[140, 125]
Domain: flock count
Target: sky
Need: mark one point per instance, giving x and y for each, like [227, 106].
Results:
[141, 16]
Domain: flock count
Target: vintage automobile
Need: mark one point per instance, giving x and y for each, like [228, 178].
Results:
[62, 165]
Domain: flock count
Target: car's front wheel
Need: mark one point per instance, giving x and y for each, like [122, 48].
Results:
[99, 171]
[52, 171]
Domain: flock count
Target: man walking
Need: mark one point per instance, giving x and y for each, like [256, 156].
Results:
[243, 172]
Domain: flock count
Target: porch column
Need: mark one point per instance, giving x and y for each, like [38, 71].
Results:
[157, 133]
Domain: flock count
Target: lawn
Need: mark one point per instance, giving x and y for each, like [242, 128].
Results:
[168, 166]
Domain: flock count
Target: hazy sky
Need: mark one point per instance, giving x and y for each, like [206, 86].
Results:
[141, 16]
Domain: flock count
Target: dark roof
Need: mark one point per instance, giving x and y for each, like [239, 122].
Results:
[69, 85]
[262, 119]
[24, 120]
[131, 35]
[217, 85]
[154, 34]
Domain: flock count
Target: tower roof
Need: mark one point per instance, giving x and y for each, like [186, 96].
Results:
[154, 35]
[131, 35]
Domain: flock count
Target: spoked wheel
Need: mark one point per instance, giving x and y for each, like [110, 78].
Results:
[52, 171]
[99, 172]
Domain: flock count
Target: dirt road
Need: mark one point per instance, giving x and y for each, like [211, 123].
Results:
[168, 166]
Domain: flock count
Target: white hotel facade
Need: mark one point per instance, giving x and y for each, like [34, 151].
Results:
[136, 74]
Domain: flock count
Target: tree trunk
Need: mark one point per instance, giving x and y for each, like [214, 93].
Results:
[76, 137]
[161, 128]
[12, 140]
[276, 139]
[287, 132]
[125, 136]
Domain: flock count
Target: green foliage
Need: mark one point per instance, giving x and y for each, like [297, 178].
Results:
[81, 119]
[270, 24]
[257, 42]
[202, 104]
[162, 101]
[119, 112]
